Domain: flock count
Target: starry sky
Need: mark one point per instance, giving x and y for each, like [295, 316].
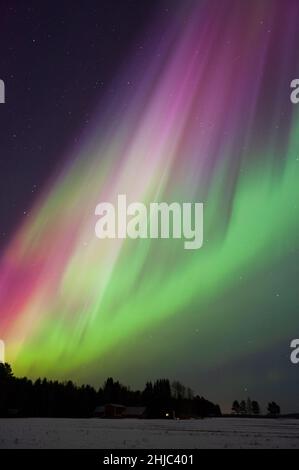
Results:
[58, 60]
[162, 101]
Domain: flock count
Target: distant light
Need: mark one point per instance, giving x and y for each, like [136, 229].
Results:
[167, 414]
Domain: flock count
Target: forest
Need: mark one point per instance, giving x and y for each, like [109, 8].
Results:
[22, 397]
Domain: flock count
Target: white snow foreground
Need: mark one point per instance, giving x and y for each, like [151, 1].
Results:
[47, 433]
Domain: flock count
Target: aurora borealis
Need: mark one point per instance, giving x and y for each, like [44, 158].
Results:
[204, 115]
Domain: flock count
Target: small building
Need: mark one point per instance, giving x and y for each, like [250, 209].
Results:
[113, 410]
[110, 410]
[135, 412]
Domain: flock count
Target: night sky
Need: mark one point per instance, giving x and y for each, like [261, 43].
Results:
[57, 59]
[160, 100]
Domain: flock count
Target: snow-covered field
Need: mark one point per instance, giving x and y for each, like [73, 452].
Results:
[148, 434]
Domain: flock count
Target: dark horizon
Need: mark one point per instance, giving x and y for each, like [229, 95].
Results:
[176, 390]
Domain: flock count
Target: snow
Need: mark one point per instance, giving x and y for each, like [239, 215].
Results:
[148, 434]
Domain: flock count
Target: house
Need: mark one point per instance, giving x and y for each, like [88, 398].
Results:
[110, 410]
[113, 410]
[135, 412]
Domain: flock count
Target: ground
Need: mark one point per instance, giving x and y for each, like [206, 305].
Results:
[149, 434]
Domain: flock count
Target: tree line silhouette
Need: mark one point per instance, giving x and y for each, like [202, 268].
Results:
[47, 398]
[252, 408]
